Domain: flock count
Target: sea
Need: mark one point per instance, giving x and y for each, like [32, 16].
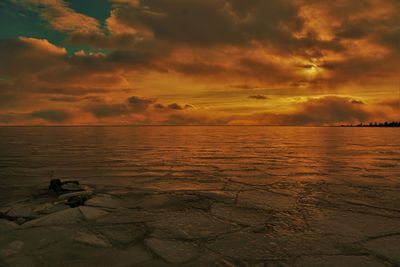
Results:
[198, 157]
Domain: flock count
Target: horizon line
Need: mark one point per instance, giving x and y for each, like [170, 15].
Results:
[180, 125]
[167, 125]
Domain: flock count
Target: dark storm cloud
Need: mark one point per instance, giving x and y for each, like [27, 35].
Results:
[197, 22]
[28, 59]
[37, 59]
[357, 102]
[393, 104]
[175, 106]
[76, 99]
[52, 115]
[138, 104]
[258, 97]
[382, 31]
[244, 86]
[68, 99]
[263, 71]
[159, 107]
[221, 22]
[8, 118]
[392, 39]
[199, 69]
[133, 104]
[8, 98]
[358, 70]
[327, 110]
[108, 110]
[37, 67]
[27, 56]
[171, 107]
[121, 41]
[65, 92]
[354, 29]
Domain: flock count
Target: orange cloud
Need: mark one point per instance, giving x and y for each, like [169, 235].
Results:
[61, 17]
[44, 45]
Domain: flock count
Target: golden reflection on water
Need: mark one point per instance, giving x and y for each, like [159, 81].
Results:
[199, 157]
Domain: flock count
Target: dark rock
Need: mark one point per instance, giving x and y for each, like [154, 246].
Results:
[56, 186]
[76, 201]
[61, 187]
[66, 196]
[20, 221]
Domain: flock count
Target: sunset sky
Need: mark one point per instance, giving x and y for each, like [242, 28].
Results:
[199, 62]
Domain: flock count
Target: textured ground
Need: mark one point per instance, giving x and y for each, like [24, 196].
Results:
[216, 224]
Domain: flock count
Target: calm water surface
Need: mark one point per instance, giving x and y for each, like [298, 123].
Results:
[179, 156]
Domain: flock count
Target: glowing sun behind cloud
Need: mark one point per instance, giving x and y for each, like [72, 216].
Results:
[312, 71]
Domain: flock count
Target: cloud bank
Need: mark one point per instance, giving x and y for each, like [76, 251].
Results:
[292, 62]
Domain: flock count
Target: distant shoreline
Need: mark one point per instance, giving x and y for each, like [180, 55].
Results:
[376, 125]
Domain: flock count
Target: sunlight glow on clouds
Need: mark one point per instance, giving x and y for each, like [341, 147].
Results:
[295, 62]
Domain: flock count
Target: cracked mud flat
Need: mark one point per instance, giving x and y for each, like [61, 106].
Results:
[232, 224]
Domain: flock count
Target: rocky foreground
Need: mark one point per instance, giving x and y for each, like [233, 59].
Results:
[236, 224]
